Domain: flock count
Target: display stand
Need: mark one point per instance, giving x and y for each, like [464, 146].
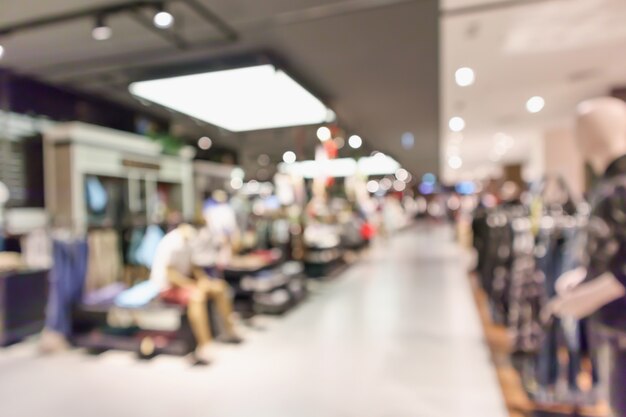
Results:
[72, 151]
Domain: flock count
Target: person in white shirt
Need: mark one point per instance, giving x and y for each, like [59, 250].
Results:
[182, 281]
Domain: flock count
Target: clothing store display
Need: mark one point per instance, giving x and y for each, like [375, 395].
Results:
[522, 251]
[96, 194]
[67, 279]
[105, 262]
[606, 246]
[145, 252]
[11, 261]
[37, 249]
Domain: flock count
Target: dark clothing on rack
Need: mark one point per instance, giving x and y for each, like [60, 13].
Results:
[67, 279]
[606, 246]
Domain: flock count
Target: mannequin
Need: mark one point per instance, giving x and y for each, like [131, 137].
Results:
[600, 287]
[184, 282]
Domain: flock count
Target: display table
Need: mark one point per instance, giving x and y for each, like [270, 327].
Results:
[23, 299]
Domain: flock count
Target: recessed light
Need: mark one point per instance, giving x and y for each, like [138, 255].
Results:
[399, 185]
[263, 160]
[355, 141]
[535, 104]
[456, 124]
[163, 19]
[205, 143]
[402, 174]
[385, 184]
[455, 162]
[289, 157]
[236, 183]
[464, 76]
[324, 134]
[372, 186]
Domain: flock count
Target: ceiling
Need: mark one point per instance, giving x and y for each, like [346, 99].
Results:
[375, 62]
[566, 51]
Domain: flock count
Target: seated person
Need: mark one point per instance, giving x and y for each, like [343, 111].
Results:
[183, 282]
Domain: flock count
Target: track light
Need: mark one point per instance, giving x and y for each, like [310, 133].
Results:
[101, 31]
[163, 19]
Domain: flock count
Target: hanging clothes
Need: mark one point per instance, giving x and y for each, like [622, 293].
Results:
[105, 260]
[146, 251]
[37, 249]
[67, 279]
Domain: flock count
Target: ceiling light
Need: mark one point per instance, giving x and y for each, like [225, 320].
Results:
[372, 186]
[399, 185]
[429, 178]
[238, 173]
[535, 104]
[163, 19]
[464, 76]
[289, 157]
[101, 31]
[456, 124]
[263, 160]
[385, 184]
[323, 133]
[1, 51]
[407, 140]
[455, 162]
[205, 143]
[355, 141]
[402, 174]
[236, 183]
[243, 99]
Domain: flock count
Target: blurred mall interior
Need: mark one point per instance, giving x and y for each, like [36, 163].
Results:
[317, 208]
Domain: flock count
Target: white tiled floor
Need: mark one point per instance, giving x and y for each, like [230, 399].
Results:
[397, 335]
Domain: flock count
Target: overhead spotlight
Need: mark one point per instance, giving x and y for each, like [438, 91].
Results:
[163, 19]
[399, 185]
[263, 160]
[535, 104]
[324, 134]
[236, 183]
[455, 162]
[289, 157]
[372, 186]
[205, 143]
[464, 77]
[456, 124]
[402, 174]
[101, 31]
[355, 141]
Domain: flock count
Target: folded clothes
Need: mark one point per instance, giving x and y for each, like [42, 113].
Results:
[104, 296]
[137, 296]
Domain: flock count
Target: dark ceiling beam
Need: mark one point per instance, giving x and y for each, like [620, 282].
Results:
[74, 15]
[130, 6]
[490, 7]
[127, 61]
